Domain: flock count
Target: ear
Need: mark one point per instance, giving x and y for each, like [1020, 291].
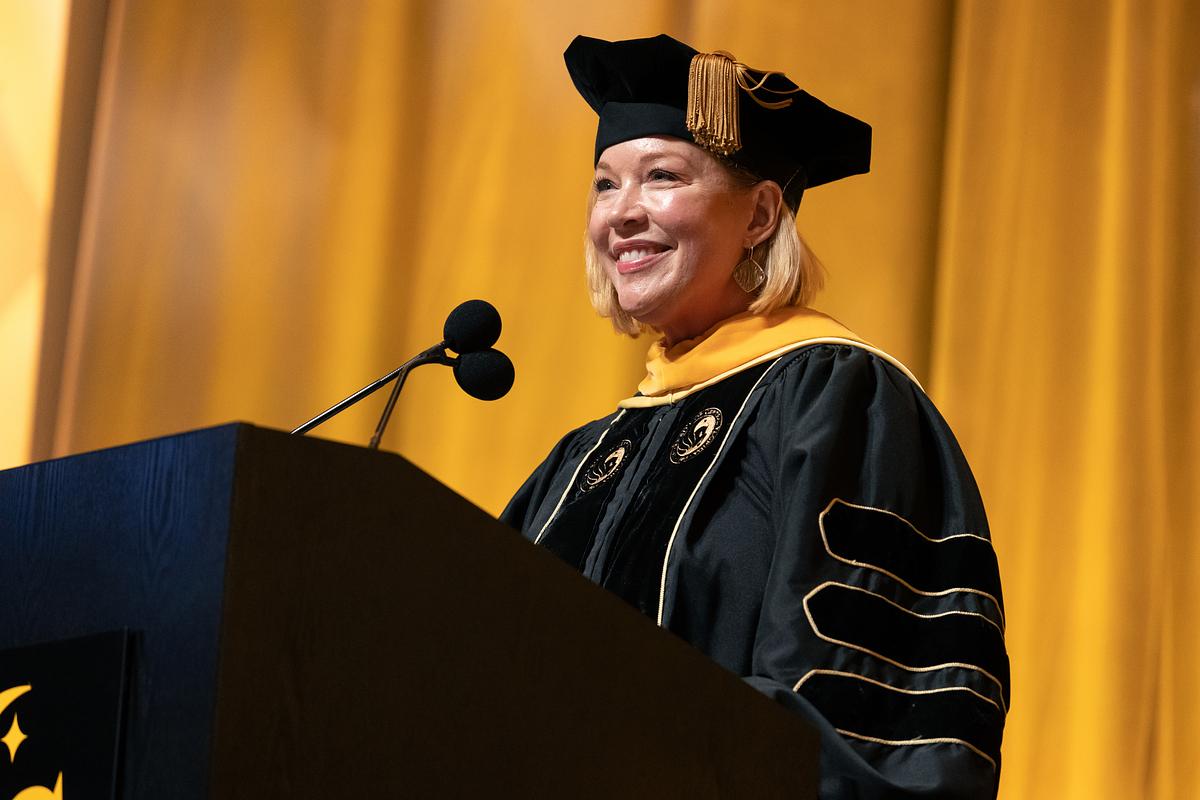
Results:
[766, 198]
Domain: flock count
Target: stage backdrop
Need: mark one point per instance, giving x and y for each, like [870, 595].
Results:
[275, 202]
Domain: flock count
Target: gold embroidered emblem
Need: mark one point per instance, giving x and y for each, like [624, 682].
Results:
[696, 435]
[603, 469]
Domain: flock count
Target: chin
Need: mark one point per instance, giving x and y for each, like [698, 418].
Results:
[645, 307]
[643, 312]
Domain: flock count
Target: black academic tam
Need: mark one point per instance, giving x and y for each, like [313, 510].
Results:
[640, 87]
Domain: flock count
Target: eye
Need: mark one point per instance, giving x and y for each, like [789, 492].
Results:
[662, 175]
[603, 185]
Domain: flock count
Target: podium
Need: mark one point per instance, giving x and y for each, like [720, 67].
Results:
[295, 617]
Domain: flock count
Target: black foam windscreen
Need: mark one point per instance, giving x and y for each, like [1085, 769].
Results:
[473, 325]
[484, 374]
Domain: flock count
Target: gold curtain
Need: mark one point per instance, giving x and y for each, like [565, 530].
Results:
[32, 43]
[1065, 340]
[284, 199]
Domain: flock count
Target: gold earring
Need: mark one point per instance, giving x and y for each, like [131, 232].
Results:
[749, 275]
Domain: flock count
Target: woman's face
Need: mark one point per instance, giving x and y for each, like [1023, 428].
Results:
[669, 225]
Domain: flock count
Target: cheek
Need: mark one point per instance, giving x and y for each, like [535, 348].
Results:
[724, 225]
[690, 220]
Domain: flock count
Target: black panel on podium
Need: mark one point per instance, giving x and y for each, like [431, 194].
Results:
[311, 619]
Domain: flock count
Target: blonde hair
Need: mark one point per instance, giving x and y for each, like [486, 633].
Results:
[794, 273]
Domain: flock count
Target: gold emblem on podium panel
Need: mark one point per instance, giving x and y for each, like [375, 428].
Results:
[13, 740]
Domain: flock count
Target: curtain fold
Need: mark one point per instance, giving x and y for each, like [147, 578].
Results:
[1062, 353]
[286, 199]
[33, 39]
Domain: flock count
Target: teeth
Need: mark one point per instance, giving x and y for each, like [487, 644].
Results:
[635, 255]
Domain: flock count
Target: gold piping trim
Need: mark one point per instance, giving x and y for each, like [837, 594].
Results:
[639, 401]
[910, 525]
[892, 575]
[812, 623]
[890, 602]
[662, 587]
[575, 475]
[938, 740]
[881, 684]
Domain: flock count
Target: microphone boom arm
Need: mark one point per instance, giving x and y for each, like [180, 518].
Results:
[435, 354]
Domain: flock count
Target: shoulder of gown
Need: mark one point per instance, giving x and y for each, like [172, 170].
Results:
[882, 618]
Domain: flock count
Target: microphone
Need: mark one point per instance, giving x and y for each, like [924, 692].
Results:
[471, 326]
[484, 373]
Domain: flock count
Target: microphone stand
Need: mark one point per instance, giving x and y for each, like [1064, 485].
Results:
[435, 354]
[439, 358]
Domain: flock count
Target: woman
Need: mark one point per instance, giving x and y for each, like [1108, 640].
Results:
[779, 493]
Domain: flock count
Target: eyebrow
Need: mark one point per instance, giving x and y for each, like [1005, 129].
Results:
[642, 158]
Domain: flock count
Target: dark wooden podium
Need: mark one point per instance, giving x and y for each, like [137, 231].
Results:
[311, 619]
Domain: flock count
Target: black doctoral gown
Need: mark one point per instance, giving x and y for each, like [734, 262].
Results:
[809, 522]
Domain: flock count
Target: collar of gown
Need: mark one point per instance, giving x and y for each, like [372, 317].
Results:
[734, 344]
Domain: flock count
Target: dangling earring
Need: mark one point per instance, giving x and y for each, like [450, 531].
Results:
[749, 275]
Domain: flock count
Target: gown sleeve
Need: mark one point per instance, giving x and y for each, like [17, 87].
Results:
[882, 620]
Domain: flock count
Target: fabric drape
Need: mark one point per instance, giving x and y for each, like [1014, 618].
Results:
[1064, 342]
[285, 199]
[32, 40]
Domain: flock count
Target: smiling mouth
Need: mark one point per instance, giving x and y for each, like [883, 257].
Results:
[635, 258]
[638, 254]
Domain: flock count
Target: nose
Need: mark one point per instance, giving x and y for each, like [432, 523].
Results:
[626, 210]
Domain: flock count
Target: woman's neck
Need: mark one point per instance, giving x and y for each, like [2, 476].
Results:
[698, 321]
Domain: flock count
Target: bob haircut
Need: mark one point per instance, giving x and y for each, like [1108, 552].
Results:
[794, 273]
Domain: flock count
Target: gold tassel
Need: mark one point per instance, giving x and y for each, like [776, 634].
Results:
[712, 109]
[712, 105]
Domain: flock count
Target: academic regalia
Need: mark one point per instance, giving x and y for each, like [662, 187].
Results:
[788, 500]
[779, 493]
